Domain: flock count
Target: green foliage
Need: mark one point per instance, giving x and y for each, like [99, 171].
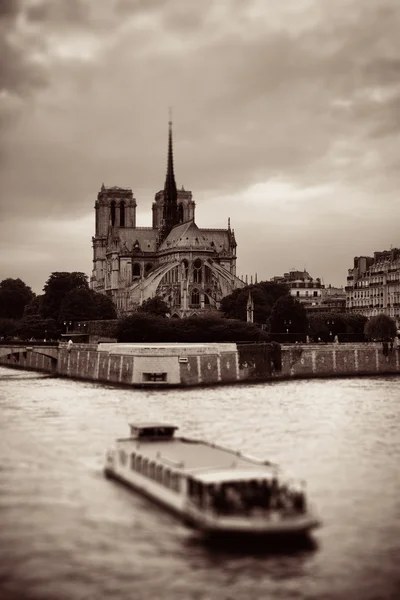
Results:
[264, 295]
[34, 326]
[81, 304]
[141, 327]
[355, 324]
[381, 328]
[78, 304]
[14, 296]
[104, 306]
[326, 325]
[8, 328]
[288, 314]
[34, 307]
[57, 287]
[155, 306]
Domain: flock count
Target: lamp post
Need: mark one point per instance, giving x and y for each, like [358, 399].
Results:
[67, 324]
[287, 323]
[330, 323]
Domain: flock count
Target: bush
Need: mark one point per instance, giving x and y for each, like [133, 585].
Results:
[381, 328]
[146, 328]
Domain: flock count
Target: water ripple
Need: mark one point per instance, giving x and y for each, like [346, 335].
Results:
[68, 533]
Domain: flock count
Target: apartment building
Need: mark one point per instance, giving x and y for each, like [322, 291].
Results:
[373, 285]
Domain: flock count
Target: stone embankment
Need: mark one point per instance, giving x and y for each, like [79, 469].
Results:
[201, 364]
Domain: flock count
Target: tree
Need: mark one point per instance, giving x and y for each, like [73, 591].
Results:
[57, 287]
[14, 296]
[381, 328]
[105, 308]
[81, 304]
[78, 305]
[288, 315]
[34, 326]
[355, 325]
[264, 295]
[34, 307]
[326, 325]
[8, 328]
[155, 306]
[142, 327]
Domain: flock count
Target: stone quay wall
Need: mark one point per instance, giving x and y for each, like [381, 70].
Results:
[142, 365]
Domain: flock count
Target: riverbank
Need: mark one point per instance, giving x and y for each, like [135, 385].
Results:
[163, 365]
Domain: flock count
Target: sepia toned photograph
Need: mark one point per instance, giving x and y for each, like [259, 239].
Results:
[199, 300]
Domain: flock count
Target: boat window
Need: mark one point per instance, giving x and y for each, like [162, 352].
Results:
[154, 377]
[196, 492]
[145, 466]
[152, 468]
[175, 482]
[167, 478]
[159, 474]
[122, 457]
[133, 458]
[138, 463]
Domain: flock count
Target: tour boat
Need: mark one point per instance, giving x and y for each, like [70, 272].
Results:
[214, 489]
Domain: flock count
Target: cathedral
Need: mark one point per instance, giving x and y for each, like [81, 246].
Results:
[191, 269]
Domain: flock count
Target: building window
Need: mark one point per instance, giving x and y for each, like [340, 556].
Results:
[195, 298]
[315, 294]
[180, 213]
[197, 271]
[122, 214]
[207, 274]
[185, 269]
[136, 270]
[113, 213]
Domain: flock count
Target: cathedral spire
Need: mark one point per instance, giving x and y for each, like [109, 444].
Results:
[170, 209]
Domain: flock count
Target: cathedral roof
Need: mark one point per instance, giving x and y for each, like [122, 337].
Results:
[145, 236]
[219, 239]
[186, 235]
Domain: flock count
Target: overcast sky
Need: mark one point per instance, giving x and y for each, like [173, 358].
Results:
[286, 119]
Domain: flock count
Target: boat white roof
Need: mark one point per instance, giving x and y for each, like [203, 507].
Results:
[202, 460]
[234, 474]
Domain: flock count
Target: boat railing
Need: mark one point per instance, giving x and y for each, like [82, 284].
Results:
[262, 461]
[170, 461]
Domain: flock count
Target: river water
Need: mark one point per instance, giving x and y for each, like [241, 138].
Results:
[68, 533]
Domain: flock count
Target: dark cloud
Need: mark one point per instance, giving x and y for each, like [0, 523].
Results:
[17, 73]
[73, 12]
[301, 92]
[9, 8]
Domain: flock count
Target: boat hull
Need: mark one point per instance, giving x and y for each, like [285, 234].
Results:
[214, 526]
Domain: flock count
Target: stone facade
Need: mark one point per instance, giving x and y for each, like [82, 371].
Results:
[303, 287]
[192, 269]
[373, 285]
[149, 365]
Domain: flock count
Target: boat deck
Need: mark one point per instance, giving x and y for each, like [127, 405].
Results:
[192, 456]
